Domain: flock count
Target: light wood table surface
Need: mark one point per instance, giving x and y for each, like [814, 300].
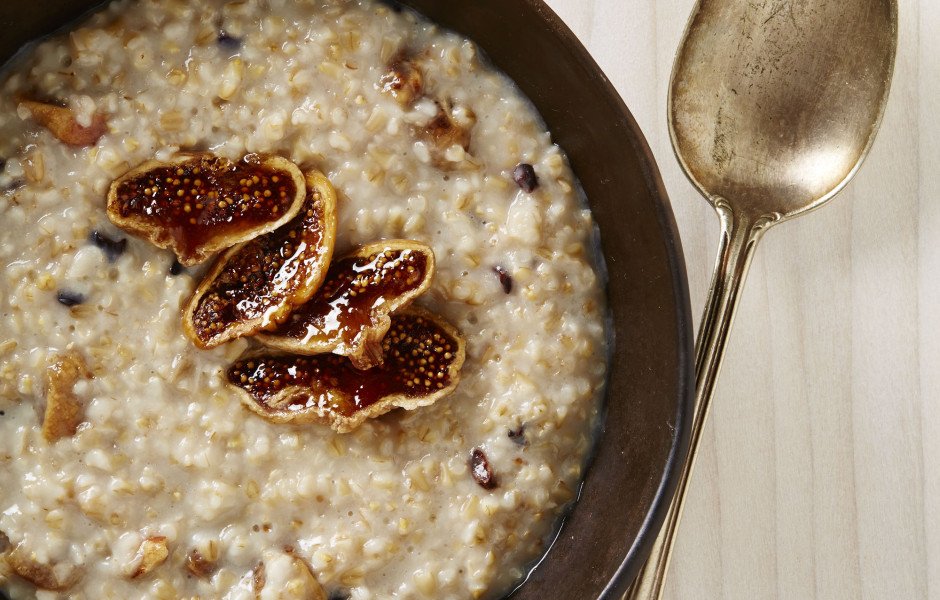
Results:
[820, 471]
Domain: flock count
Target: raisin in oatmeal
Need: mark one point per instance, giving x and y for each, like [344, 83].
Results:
[133, 467]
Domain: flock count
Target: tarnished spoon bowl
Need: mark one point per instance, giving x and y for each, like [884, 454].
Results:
[773, 105]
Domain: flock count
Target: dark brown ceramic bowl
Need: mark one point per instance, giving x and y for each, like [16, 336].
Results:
[645, 433]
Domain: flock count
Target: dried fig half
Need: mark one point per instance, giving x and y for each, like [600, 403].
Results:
[61, 122]
[256, 284]
[198, 204]
[423, 357]
[350, 313]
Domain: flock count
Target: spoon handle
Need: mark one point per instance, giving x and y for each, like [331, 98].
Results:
[739, 237]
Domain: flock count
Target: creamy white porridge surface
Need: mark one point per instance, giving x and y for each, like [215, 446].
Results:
[165, 449]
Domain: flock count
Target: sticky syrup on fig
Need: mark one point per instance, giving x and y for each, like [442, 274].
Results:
[195, 203]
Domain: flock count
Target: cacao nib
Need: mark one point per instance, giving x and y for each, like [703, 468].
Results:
[525, 177]
[111, 247]
[70, 299]
[518, 435]
[481, 470]
[176, 268]
[228, 42]
[505, 279]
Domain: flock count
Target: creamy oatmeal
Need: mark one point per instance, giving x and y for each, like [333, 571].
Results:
[155, 481]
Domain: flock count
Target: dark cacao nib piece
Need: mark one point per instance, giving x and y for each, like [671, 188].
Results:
[111, 247]
[228, 42]
[481, 470]
[176, 268]
[525, 178]
[505, 279]
[518, 435]
[70, 299]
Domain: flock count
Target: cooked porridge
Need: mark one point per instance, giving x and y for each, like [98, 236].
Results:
[131, 468]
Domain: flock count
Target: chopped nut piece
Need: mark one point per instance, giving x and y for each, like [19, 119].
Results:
[199, 565]
[57, 577]
[443, 131]
[423, 356]
[258, 578]
[197, 204]
[256, 284]
[60, 121]
[151, 554]
[403, 81]
[481, 470]
[351, 311]
[63, 411]
[283, 576]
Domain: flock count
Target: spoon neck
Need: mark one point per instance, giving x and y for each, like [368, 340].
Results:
[740, 233]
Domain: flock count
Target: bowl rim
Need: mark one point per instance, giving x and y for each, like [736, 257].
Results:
[642, 544]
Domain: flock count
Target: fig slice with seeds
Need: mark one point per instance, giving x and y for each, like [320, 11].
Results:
[423, 357]
[198, 204]
[350, 313]
[256, 284]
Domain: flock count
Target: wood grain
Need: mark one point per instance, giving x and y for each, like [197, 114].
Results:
[820, 471]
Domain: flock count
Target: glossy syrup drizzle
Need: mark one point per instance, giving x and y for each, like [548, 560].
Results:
[354, 287]
[418, 352]
[206, 198]
[264, 273]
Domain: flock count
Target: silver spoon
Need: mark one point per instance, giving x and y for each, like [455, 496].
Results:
[773, 105]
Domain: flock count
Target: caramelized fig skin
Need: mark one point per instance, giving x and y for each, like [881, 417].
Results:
[198, 204]
[423, 357]
[255, 285]
[350, 313]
